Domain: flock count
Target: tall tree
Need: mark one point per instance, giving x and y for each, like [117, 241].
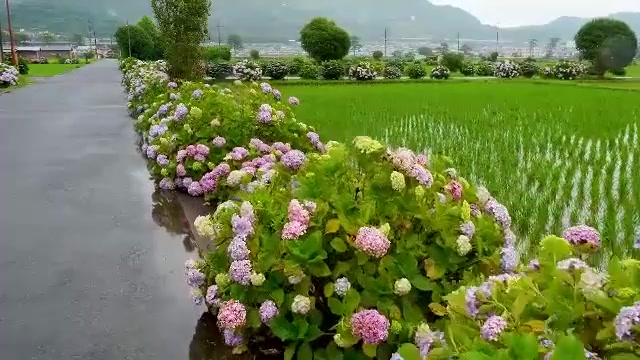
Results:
[235, 42]
[552, 46]
[466, 48]
[356, 44]
[183, 25]
[532, 45]
[609, 44]
[425, 51]
[147, 25]
[324, 40]
[444, 47]
[133, 38]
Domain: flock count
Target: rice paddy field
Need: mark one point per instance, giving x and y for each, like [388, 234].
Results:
[556, 155]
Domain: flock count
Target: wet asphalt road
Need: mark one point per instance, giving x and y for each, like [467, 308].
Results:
[85, 271]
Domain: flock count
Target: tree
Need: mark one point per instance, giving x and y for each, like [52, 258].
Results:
[425, 51]
[217, 53]
[158, 46]
[20, 38]
[235, 42]
[609, 44]
[48, 38]
[466, 49]
[532, 45]
[254, 54]
[77, 39]
[324, 40]
[397, 54]
[183, 26]
[493, 56]
[356, 44]
[141, 45]
[377, 55]
[444, 47]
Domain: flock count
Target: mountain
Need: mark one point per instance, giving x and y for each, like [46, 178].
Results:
[263, 20]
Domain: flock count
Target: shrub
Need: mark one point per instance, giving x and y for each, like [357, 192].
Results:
[41, 61]
[71, 61]
[529, 69]
[277, 70]
[310, 72]
[568, 70]
[207, 141]
[363, 71]
[556, 295]
[324, 40]
[332, 70]
[468, 69]
[431, 60]
[296, 65]
[415, 71]
[618, 72]
[8, 75]
[392, 72]
[453, 62]
[440, 72]
[219, 70]
[399, 63]
[493, 57]
[254, 54]
[607, 43]
[358, 238]
[485, 68]
[23, 66]
[377, 55]
[216, 53]
[247, 71]
[506, 69]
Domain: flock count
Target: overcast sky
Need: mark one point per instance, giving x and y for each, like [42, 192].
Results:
[534, 12]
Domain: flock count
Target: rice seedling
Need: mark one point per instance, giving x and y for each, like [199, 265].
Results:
[555, 155]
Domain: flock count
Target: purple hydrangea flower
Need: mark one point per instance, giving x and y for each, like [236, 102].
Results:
[294, 159]
[166, 184]
[232, 339]
[238, 153]
[197, 94]
[276, 94]
[182, 154]
[219, 142]
[293, 230]
[372, 242]
[455, 189]
[421, 174]
[582, 234]
[510, 259]
[195, 189]
[492, 328]
[196, 297]
[471, 302]
[195, 278]
[162, 160]
[264, 117]
[180, 170]
[268, 310]
[172, 85]
[232, 315]
[468, 229]
[181, 112]
[163, 109]
[294, 101]
[370, 326]
[238, 250]
[241, 226]
[628, 318]
[240, 272]
[212, 293]
[266, 88]
[499, 212]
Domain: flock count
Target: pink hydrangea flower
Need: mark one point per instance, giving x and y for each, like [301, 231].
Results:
[293, 230]
[582, 234]
[455, 189]
[370, 326]
[297, 213]
[232, 315]
[372, 242]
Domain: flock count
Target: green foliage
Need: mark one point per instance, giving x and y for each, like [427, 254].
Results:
[485, 68]
[216, 53]
[528, 69]
[425, 51]
[235, 42]
[219, 70]
[309, 72]
[440, 72]
[607, 43]
[567, 70]
[356, 44]
[183, 27]
[468, 69]
[254, 54]
[557, 295]
[339, 197]
[453, 61]
[277, 70]
[324, 40]
[363, 71]
[493, 57]
[332, 70]
[377, 55]
[23, 66]
[296, 64]
[415, 71]
[135, 39]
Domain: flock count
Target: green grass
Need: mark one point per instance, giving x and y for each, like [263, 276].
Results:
[555, 155]
[51, 69]
[633, 70]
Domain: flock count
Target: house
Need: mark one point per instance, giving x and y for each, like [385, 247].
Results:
[55, 51]
[28, 52]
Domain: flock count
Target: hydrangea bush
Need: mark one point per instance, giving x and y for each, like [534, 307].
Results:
[8, 76]
[529, 69]
[468, 69]
[392, 72]
[416, 71]
[348, 252]
[247, 71]
[485, 68]
[440, 72]
[527, 315]
[565, 70]
[277, 70]
[205, 140]
[363, 72]
[507, 69]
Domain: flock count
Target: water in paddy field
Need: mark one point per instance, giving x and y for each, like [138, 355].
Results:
[548, 180]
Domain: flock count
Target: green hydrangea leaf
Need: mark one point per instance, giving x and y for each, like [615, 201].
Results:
[409, 352]
[338, 245]
[370, 350]
[568, 347]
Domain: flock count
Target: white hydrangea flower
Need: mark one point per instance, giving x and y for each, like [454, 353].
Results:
[205, 227]
[257, 279]
[301, 304]
[483, 194]
[402, 287]
[463, 245]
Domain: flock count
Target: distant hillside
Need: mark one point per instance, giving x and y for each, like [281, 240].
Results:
[282, 19]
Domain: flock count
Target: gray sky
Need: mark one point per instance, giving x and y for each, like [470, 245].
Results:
[534, 12]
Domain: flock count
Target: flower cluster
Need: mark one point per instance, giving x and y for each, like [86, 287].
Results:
[8, 75]
[247, 71]
[363, 72]
[392, 72]
[440, 72]
[507, 69]
[565, 70]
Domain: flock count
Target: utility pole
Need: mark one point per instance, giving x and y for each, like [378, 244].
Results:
[458, 43]
[385, 42]
[14, 54]
[129, 35]
[218, 27]
[1, 45]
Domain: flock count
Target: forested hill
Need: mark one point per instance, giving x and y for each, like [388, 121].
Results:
[282, 19]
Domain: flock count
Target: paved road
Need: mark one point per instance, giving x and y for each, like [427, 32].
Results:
[85, 272]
